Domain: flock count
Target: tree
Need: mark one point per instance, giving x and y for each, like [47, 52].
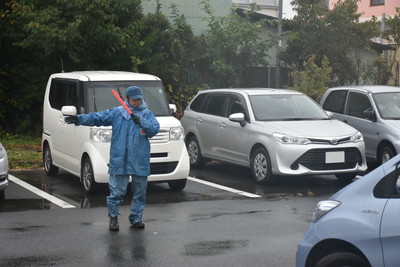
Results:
[313, 80]
[336, 34]
[393, 34]
[232, 44]
[37, 35]
[166, 50]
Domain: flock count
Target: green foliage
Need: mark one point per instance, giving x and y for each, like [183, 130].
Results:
[38, 34]
[314, 79]
[378, 72]
[23, 150]
[39, 37]
[393, 33]
[78, 31]
[233, 43]
[336, 34]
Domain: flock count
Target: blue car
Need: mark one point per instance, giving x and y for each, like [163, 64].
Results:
[359, 225]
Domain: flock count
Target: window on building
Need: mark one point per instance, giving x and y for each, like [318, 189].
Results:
[377, 2]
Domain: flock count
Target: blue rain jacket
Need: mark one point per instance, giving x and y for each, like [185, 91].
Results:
[130, 146]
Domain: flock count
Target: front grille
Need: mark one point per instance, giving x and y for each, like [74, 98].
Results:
[161, 137]
[163, 167]
[314, 159]
[330, 141]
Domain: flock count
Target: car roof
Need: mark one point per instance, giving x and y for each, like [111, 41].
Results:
[105, 76]
[370, 88]
[252, 91]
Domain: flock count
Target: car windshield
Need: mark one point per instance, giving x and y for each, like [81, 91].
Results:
[100, 97]
[286, 107]
[388, 105]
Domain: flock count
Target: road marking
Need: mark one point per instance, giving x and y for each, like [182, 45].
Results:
[41, 193]
[239, 192]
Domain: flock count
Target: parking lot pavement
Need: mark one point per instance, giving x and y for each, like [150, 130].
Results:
[236, 232]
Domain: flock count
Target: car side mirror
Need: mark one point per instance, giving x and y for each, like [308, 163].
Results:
[68, 110]
[172, 108]
[330, 114]
[238, 117]
[369, 114]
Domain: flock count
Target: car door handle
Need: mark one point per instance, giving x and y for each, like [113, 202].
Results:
[199, 120]
[222, 125]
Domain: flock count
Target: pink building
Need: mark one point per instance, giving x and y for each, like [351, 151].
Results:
[376, 8]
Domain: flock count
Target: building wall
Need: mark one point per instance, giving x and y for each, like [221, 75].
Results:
[368, 10]
[268, 7]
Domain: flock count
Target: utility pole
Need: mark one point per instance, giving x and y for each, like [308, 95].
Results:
[278, 83]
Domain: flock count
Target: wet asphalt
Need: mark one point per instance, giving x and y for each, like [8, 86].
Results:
[200, 226]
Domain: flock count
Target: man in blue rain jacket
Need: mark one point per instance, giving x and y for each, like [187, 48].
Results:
[129, 152]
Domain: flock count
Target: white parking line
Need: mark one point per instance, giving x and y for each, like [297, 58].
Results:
[41, 193]
[239, 192]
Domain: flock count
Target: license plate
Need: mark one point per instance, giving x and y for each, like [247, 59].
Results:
[334, 157]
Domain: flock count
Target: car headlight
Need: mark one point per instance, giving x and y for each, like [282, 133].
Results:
[176, 133]
[287, 139]
[100, 135]
[358, 137]
[323, 207]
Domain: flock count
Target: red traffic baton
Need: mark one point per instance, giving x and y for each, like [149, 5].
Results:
[121, 101]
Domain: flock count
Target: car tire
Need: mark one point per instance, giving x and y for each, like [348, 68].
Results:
[346, 177]
[386, 153]
[177, 185]
[342, 258]
[49, 168]
[87, 176]
[261, 166]
[195, 158]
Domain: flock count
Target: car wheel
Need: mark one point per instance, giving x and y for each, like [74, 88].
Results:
[87, 176]
[261, 166]
[177, 185]
[346, 177]
[49, 168]
[342, 258]
[386, 153]
[196, 160]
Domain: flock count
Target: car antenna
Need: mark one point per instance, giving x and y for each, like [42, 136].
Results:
[62, 65]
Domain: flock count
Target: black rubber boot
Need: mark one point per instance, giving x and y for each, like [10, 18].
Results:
[114, 226]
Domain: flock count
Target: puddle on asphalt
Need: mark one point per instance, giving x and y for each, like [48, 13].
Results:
[27, 228]
[12, 205]
[211, 248]
[32, 261]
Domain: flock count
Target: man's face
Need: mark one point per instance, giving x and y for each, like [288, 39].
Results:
[135, 102]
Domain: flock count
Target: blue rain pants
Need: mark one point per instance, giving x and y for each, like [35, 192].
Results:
[118, 185]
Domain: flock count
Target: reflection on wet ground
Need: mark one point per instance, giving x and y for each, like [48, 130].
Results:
[9, 205]
[68, 188]
[209, 248]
